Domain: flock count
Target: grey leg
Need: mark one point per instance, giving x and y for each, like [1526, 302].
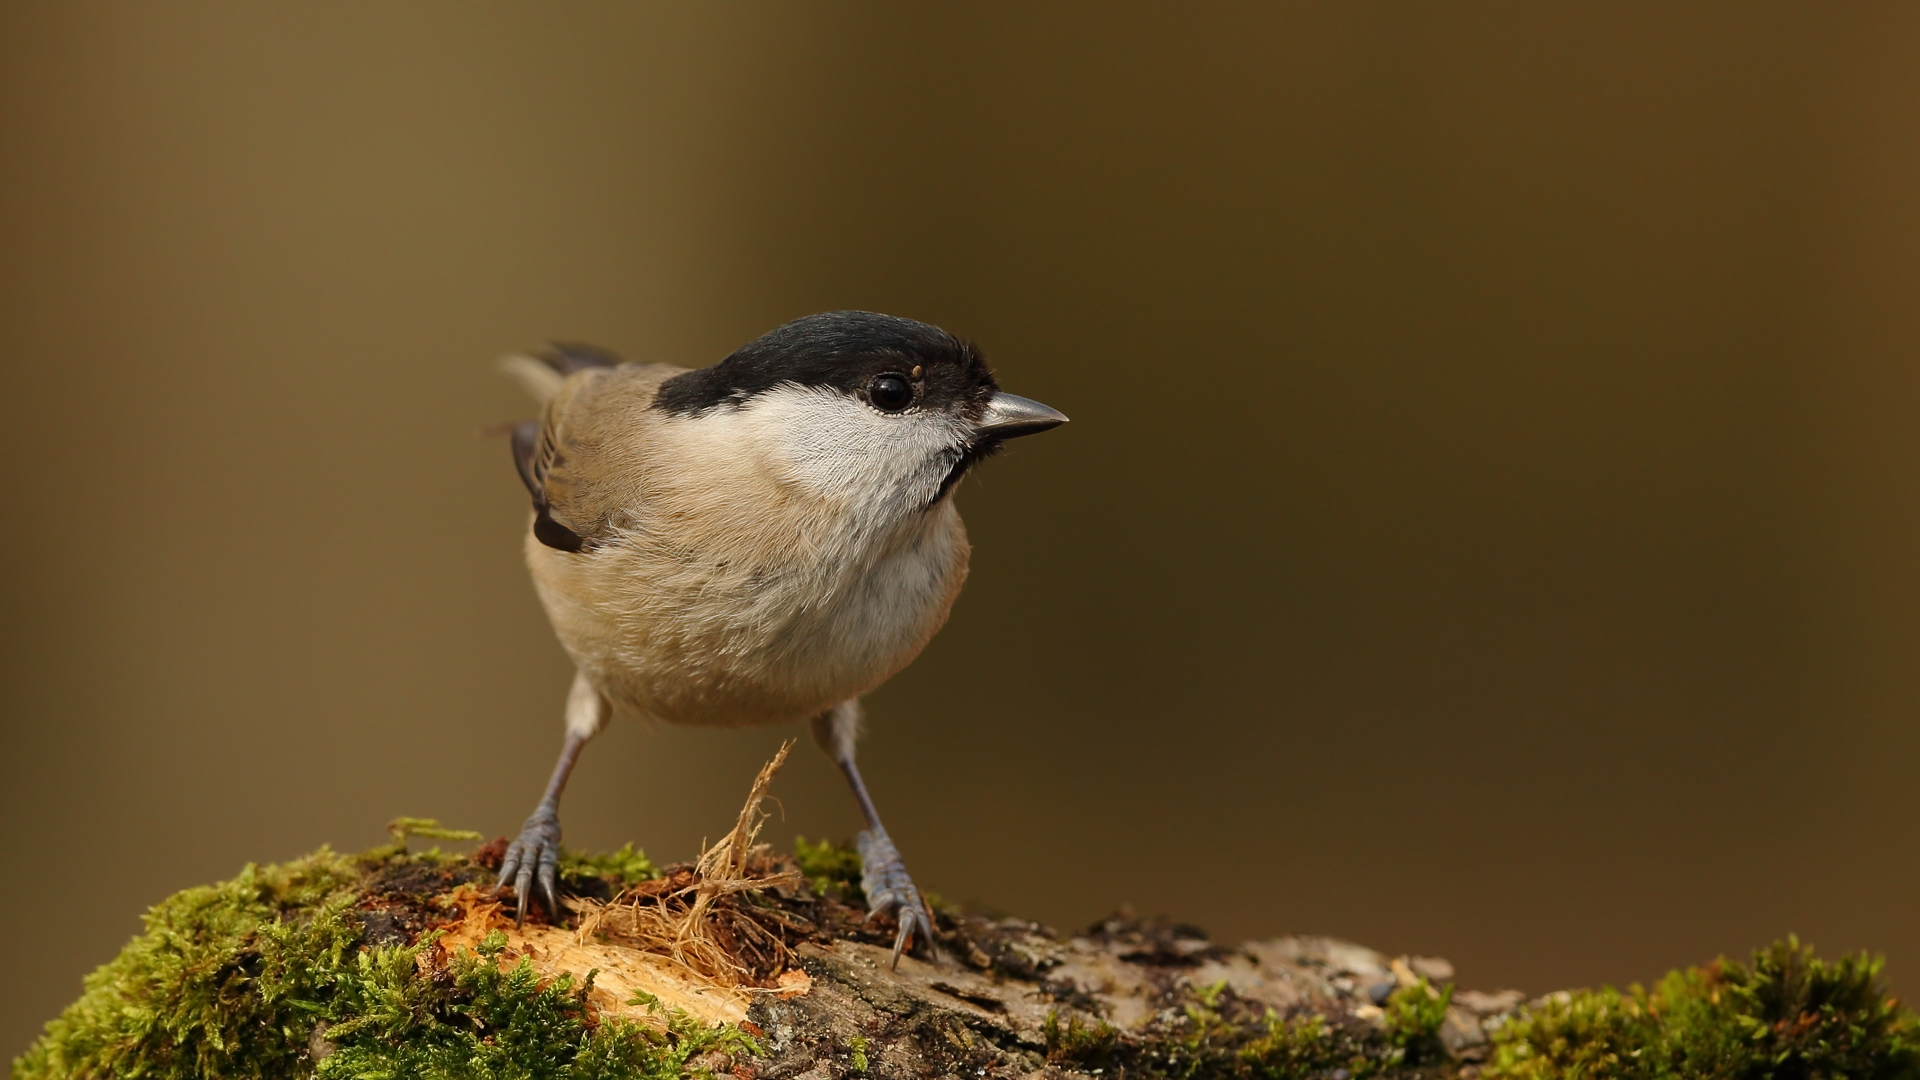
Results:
[534, 856]
[882, 875]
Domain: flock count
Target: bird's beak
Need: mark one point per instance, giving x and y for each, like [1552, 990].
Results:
[1009, 417]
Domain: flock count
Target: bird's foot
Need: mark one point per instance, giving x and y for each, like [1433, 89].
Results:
[534, 859]
[884, 878]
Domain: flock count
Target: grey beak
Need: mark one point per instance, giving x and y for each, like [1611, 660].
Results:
[1009, 417]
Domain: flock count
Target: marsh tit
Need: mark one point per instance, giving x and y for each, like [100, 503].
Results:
[757, 542]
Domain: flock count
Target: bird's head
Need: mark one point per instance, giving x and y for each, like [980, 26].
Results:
[860, 408]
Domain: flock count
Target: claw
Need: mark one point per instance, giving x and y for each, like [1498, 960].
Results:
[522, 890]
[902, 938]
[534, 857]
[884, 878]
[548, 875]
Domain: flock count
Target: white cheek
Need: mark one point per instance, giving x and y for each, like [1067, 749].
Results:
[840, 450]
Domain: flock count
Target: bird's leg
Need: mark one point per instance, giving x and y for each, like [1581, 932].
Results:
[883, 877]
[534, 856]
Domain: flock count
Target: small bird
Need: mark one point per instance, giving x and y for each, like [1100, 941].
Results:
[757, 542]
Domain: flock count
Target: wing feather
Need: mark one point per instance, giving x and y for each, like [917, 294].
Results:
[585, 390]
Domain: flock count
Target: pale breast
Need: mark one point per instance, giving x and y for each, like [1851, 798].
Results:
[720, 637]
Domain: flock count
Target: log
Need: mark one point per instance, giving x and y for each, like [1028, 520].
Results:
[752, 964]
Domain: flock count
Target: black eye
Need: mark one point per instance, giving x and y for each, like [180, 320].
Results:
[890, 392]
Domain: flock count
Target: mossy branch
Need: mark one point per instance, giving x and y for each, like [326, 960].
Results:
[393, 964]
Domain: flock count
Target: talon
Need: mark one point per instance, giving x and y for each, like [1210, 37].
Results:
[522, 888]
[534, 859]
[548, 875]
[889, 890]
[902, 940]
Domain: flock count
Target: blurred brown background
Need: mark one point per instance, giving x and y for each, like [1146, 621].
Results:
[1489, 527]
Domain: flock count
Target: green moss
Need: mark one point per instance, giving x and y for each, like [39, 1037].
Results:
[402, 827]
[1786, 1015]
[1290, 1049]
[1207, 1032]
[1209, 1044]
[226, 981]
[1077, 1042]
[265, 976]
[628, 866]
[1414, 1016]
[832, 869]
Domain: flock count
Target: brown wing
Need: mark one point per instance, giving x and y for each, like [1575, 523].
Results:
[538, 450]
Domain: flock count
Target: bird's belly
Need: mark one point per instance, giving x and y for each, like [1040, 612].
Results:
[728, 650]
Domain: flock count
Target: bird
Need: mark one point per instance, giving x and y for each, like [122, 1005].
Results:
[757, 542]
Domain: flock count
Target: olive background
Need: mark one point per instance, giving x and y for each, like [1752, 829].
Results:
[1489, 525]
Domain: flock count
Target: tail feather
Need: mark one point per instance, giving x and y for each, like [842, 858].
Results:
[541, 374]
[536, 378]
